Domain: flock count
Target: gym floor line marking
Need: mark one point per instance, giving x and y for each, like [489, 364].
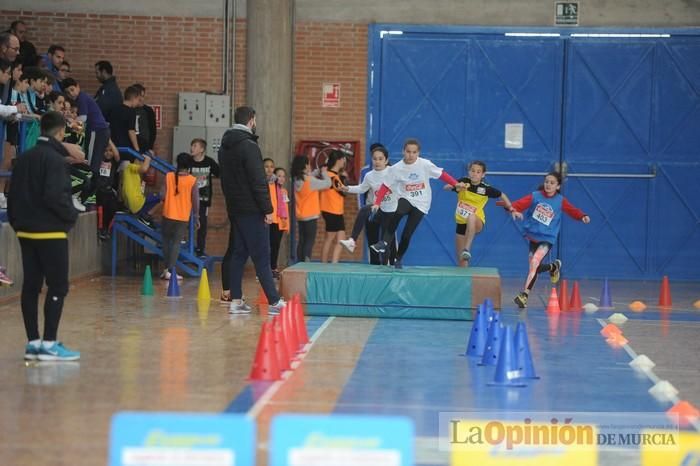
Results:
[651, 375]
[270, 392]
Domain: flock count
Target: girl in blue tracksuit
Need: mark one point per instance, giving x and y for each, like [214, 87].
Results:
[541, 212]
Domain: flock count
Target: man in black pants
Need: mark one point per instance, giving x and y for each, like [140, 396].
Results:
[41, 211]
[249, 209]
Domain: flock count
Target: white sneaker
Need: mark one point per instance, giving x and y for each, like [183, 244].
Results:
[348, 244]
[166, 275]
[77, 204]
[275, 309]
[3, 201]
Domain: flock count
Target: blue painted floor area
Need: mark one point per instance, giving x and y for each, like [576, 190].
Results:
[412, 368]
[253, 391]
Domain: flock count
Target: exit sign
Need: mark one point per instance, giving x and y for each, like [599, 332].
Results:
[566, 14]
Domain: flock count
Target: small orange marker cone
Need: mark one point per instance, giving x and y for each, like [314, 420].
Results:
[575, 304]
[616, 340]
[553, 304]
[610, 330]
[665, 293]
[564, 296]
[290, 332]
[265, 365]
[686, 413]
[637, 306]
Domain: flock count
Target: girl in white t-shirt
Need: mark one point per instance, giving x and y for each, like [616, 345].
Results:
[409, 180]
[371, 183]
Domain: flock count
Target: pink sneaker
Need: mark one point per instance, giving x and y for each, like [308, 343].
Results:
[4, 279]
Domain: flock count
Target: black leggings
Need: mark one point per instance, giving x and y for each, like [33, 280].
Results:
[275, 241]
[307, 238]
[374, 229]
[43, 259]
[404, 208]
[226, 263]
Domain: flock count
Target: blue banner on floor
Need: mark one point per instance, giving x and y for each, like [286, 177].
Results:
[159, 439]
[297, 440]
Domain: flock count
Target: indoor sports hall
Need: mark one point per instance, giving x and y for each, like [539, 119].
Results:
[581, 118]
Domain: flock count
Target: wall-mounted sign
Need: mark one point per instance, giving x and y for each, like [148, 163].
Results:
[331, 95]
[566, 14]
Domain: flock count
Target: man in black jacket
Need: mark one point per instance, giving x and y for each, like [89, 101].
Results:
[108, 96]
[249, 209]
[40, 210]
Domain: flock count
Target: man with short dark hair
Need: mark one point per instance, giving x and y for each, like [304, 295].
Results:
[9, 50]
[41, 211]
[249, 209]
[96, 127]
[123, 123]
[145, 121]
[53, 60]
[108, 96]
[27, 51]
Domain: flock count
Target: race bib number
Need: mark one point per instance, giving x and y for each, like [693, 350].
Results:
[387, 199]
[543, 213]
[464, 210]
[202, 182]
[415, 189]
[105, 169]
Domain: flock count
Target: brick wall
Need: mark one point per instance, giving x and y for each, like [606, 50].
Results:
[331, 53]
[172, 54]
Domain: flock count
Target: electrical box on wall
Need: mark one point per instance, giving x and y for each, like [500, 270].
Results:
[183, 136]
[218, 111]
[214, 136]
[191, 109]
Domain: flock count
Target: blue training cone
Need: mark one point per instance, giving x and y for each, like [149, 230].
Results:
[523, 354]
[173, 286]
[477, 337]
[493, 344]
[605, 299]
[507, 371]
[488, 304]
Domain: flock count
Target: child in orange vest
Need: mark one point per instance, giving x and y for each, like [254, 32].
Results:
[181, 198]
[281, 215]
[332, 202]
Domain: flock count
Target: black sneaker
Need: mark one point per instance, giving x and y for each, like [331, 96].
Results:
[555, 272]
[379, 247]
[146, 220]
[398, 264]
[521, 300]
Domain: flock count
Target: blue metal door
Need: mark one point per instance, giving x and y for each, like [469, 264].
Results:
[631, 145]
[456, 92]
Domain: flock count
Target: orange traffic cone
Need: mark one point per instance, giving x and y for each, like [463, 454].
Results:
[283, 358]
[302, 335]
[575, 304]
[665, 293]
[686, 413]
[290, 332]
[265, 365]
[564, 296]
[262, 299]
[610, 330]
[553, 304]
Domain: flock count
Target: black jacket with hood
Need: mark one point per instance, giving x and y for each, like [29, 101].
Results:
[40, 199]
[243, 179]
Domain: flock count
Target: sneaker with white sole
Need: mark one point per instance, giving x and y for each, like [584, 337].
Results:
[57, 352]
[348, 244]
[379, 247]
[31, 352]
[275, 309]
[521, 300]
[78, 205]
[4, 279]
[466, 255]
[239, 308]
[555, 272]
[166, 275]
